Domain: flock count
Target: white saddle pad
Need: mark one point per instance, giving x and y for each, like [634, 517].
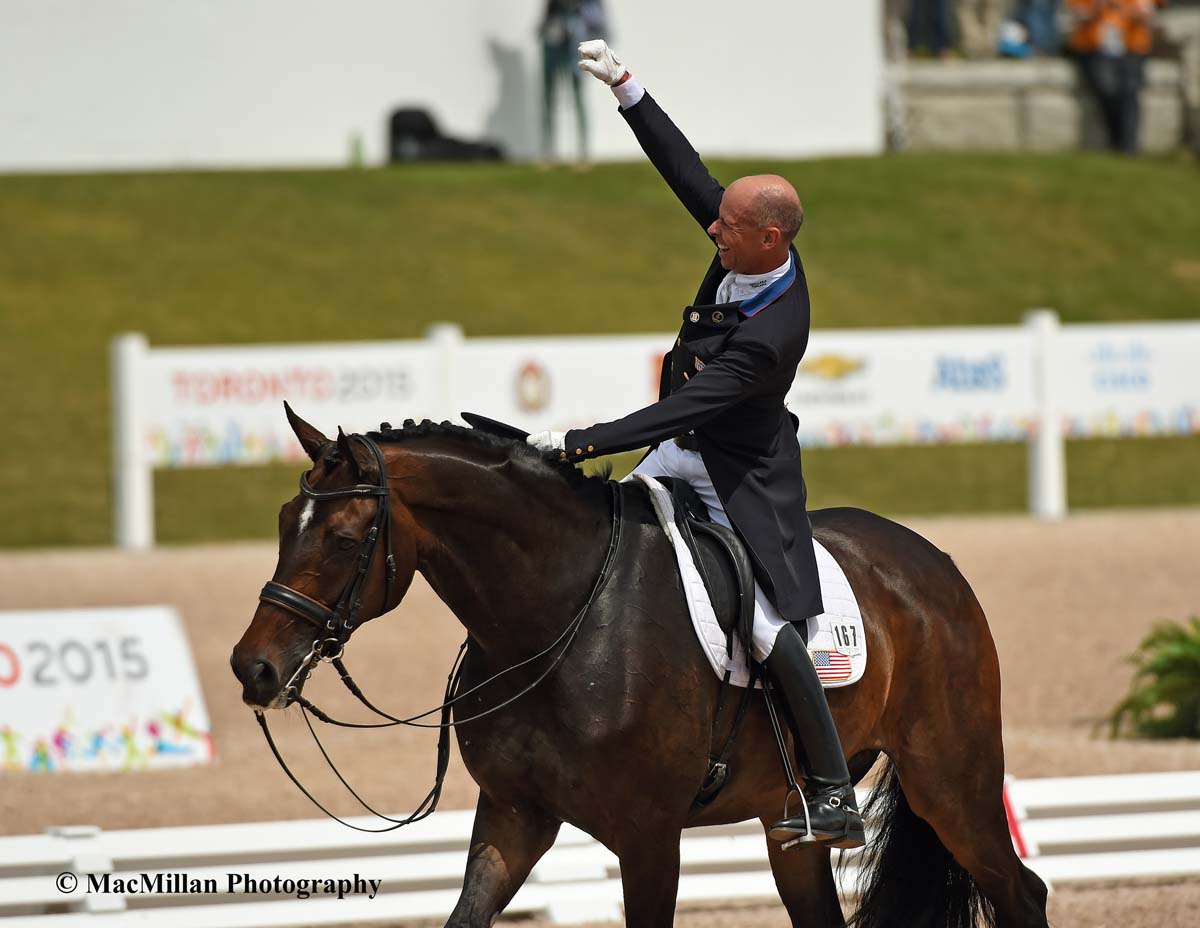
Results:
[835, 638]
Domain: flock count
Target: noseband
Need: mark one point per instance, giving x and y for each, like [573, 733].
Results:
[335, 624]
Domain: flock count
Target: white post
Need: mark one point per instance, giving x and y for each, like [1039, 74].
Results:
[447, 340]
[133, 479]
[1047, 448]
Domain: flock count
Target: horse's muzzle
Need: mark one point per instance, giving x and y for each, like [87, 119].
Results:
[259, 678]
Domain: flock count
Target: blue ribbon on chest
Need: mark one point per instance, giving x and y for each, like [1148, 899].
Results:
[768, 296]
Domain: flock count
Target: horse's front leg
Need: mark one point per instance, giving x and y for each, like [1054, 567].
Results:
[506, 842]
[650, 877]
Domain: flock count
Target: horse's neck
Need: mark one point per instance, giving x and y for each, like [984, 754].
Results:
[512, 552]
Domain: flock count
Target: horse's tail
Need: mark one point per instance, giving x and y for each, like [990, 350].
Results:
[907, 877]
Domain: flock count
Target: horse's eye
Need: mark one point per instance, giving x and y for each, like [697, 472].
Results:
[344, 543]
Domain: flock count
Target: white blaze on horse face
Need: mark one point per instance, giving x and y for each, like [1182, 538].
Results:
[306, 516]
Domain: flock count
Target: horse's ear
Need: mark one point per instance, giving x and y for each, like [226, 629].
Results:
[311, 440]
[354, 453]
[345, 449]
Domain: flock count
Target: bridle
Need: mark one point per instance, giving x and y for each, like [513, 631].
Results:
[335, 625]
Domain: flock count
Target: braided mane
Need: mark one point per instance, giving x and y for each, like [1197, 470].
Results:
[513, 448]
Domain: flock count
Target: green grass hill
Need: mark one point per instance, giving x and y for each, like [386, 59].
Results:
[205, 258]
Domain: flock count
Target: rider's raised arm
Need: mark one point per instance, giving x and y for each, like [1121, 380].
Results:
[666, 147]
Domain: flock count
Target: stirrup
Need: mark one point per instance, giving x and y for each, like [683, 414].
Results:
[792, 832]
[805, 837]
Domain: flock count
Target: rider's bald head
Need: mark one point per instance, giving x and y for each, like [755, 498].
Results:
[769, 201]
[757, 220]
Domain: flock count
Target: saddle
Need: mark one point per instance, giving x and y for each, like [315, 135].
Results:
[721, 559]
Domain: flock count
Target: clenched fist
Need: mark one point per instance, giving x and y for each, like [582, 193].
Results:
[600, 61]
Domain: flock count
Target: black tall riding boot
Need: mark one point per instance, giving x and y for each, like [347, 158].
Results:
[832, 810]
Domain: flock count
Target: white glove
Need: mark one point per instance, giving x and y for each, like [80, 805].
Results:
[600, 61]
[548, 441]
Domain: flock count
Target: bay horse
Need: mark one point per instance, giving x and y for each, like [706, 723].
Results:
[616, 739]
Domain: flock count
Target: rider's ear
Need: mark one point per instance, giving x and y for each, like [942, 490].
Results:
[311, 440]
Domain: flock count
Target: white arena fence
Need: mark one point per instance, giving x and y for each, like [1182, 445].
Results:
[1039, 382]
[1069, 830]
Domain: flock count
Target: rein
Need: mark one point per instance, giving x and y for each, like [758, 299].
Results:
[335, 625]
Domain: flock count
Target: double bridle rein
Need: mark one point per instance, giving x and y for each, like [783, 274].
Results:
[335, 624]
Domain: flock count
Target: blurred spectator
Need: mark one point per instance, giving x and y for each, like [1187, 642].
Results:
[930, 28]
[1040, 18]
[1112, 39]
[979, 25]
[565, 24]
[1014, 40]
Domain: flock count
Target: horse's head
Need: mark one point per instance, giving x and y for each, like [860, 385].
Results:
[341, 563]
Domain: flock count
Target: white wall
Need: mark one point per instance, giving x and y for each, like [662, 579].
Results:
[119, 84]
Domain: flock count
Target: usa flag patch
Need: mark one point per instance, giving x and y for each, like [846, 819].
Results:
[831, 665]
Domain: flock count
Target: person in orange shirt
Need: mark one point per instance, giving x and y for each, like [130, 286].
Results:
[1112, 39]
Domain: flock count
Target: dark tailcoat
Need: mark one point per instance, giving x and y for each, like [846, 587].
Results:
[725, 378]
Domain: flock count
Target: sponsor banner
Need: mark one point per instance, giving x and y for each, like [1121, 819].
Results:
[558, 383]
[1122, 380]
[914, 386]
[99, 689]
[225, 405]
[878, 387]
[854, 387]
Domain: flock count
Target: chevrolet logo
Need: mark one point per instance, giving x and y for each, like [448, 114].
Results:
[832, 366]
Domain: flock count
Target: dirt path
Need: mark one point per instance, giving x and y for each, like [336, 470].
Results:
[1066, 603]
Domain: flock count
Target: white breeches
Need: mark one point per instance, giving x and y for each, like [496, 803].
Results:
[669, 460]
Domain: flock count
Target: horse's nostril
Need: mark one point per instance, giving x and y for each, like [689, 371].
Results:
[265, 675]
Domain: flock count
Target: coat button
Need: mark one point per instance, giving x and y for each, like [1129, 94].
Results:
[718, 316]
[578, 451]
[694, 316]
[591, 448]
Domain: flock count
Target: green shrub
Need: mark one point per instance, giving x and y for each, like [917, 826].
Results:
[1164, 700]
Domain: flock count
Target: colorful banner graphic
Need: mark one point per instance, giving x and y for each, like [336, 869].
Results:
[99, 689]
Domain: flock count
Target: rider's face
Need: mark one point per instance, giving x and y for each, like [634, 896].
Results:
[739, 241]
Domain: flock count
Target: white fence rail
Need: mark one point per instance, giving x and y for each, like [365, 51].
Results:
[1073, 829]
[1037, 382]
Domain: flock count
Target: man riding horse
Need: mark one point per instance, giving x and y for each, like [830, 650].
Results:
[721, 425]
